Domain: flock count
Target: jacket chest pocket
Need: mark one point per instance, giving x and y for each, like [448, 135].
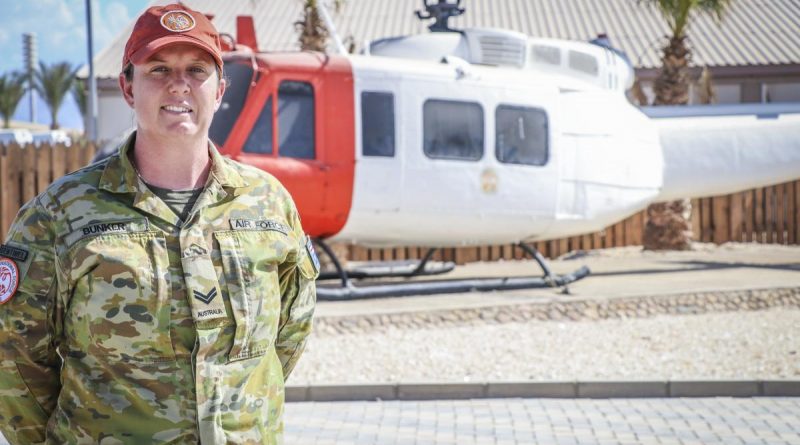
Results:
[119, 297]
[250, 262]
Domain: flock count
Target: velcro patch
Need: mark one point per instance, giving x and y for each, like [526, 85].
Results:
[259, 224]
[9, 279]
[201, 279]
[312, 254]
[13, 252]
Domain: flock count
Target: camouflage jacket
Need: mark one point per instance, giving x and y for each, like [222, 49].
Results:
[131, 326]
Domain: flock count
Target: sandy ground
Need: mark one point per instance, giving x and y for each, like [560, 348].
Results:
[742, 344]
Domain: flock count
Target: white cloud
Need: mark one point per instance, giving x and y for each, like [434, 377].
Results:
[117, 15]
[107, 22]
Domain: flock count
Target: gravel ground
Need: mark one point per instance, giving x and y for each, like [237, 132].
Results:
[745, 344]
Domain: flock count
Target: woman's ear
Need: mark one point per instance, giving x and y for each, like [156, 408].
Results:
[127, 89]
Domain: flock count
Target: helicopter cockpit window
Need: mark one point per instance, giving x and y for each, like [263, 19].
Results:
[377, 129]
[296, 120]
[260, 138]
[239, 77]
[452, 130]
[521, 135]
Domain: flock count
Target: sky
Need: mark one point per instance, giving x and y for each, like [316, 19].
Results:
[60, 28]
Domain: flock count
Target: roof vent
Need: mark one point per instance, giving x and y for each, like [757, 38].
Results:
[501, 48]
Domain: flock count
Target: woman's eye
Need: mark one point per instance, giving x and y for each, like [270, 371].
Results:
[159, 69]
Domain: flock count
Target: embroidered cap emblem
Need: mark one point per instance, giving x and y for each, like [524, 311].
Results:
[9, 279]
[177, 21]
[206, 298]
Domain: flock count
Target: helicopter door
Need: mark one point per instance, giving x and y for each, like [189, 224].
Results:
[380, 173]
[289, 124]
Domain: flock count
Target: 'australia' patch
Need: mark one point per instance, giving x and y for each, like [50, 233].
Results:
[311, 253]
[14, 253]
[9, 279]
[259, 224]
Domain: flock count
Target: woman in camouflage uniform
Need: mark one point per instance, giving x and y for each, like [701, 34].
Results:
[165, 293]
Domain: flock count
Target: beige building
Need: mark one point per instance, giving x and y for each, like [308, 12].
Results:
[753, 54]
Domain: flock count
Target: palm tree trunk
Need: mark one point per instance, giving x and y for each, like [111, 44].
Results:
[672, 85]
[668, 225]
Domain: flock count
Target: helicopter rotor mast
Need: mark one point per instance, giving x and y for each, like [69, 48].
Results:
[441, 11]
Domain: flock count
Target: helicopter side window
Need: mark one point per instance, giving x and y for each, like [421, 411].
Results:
[238, 77]
[521, 136]
[296, 120]
[549, 55]
[377, 129]
[585, 63]
[452, 130]
[260, 138]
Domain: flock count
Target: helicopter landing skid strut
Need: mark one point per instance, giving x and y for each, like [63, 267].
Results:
[349, 291]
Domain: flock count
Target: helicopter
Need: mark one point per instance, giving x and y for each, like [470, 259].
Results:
[477, 136]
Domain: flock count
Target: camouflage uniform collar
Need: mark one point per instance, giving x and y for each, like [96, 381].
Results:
[120, 176]
[223, 171]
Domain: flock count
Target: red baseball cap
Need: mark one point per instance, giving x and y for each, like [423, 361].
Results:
[161, 26]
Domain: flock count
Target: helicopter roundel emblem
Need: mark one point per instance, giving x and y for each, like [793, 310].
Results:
[177, 21]
[9, 279]
[489, 181]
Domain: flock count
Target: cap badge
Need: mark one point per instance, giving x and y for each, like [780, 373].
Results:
[177, 21]
[9, 279]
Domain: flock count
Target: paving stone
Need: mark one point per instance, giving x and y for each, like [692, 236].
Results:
[762, 420]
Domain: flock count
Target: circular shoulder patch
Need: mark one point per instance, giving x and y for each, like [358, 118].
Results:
[9, 279]
[177, 21]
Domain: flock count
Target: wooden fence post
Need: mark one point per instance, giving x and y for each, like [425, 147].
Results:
[794, 216]
[28, 171]
[11, 185]
[720, 217]
[4, 204]
[780, 214]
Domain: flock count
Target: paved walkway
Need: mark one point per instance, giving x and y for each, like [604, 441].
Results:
[698, 421]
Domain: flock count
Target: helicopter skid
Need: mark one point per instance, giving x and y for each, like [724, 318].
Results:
[352, 292]
[392, 269]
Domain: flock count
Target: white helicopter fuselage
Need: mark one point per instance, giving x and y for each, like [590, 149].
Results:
[482, 137]
[603, 159]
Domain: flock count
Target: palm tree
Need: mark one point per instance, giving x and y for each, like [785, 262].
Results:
[12, 88]
[313, 34]
[668, 224]
[53, 82]
[81, 98]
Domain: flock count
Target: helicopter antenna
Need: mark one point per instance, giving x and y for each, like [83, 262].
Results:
[442, 11]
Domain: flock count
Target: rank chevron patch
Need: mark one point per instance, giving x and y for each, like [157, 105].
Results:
[206, 298]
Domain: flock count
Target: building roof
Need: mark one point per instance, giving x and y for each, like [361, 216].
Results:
[751, 33]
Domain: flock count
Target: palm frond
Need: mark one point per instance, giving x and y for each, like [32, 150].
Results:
[53, 82]
[81, 95]
[12, 89]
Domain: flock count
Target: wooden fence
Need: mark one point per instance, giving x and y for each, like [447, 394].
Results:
[763, 215]
[25, 171]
